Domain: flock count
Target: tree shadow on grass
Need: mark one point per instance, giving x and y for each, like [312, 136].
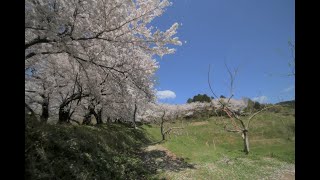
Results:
[159, 160]
[92, 152]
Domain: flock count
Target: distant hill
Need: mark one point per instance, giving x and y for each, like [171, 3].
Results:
[287, 103]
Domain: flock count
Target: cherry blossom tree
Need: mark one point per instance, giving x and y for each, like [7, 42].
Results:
[97, 56]
[100, 32]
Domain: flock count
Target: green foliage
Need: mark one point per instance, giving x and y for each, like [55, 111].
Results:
[83, 152]
[189, 100]
[256, 105]
[253, 106]
[200, 98]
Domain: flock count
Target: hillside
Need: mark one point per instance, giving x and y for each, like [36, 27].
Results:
[202, 149]
[287, 103]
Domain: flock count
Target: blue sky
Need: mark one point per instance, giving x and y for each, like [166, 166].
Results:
[250, 34]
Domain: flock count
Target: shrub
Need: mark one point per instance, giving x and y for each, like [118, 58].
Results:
[199, 98]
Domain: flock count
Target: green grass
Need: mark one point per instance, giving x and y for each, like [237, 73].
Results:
[272, 147]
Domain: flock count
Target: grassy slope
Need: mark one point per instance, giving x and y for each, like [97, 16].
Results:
[218, 154]
[83, 152]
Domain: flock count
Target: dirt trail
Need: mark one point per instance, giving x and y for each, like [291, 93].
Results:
[287, 173]
[199, 123]
[288, 176]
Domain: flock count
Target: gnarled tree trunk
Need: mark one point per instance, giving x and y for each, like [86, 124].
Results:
[63, 115]
[245, 141]
[87, 118]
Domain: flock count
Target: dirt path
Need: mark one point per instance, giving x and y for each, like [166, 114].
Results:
[199, 123]
[287, 176]
[286, 173]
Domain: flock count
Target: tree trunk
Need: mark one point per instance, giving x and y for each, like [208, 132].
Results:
[161, 127]
[87, 119]
[134, 116]
[98, 116]
[108, 120]
[63, 115]
[245, 141]
[45, 112]
[163, 137]
[162, 133]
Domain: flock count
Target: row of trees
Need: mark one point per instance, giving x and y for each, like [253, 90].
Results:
[200, 98]
[88, 58]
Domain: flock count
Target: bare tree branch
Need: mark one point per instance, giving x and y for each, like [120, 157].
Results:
[37, 40]
[250, 118]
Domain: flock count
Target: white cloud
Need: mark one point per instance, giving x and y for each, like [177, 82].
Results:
[288, 89]
[260, 99]
[166, 94]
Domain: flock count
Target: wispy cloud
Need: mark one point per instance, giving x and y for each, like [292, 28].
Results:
[288, 89]
[166, 94]
[260, 99]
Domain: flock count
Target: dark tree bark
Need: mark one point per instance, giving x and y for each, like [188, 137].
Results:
[162, 128]
[87, 118]
[63, 115]
[98, 116]
[134, 115]
[91, 111]
[45, 110]
[108, 120]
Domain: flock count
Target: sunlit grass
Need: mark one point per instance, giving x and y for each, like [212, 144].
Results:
[218, 154]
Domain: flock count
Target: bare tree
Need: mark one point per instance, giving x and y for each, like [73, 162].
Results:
[162, 115]
[166, 131]
[236, 118]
